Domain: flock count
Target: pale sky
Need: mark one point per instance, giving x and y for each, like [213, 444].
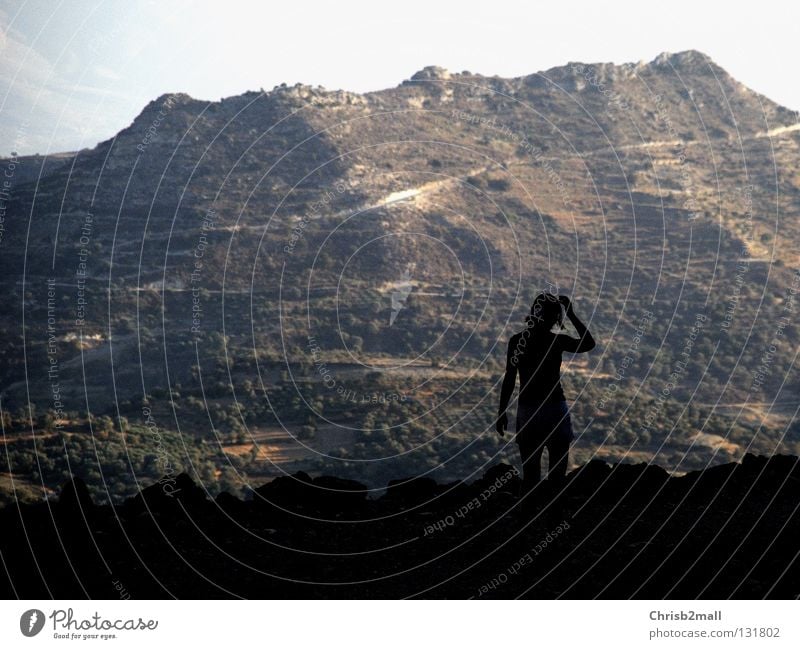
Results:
[74, 73]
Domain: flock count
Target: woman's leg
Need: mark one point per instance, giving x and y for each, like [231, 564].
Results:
[558, 445]
[531, 451]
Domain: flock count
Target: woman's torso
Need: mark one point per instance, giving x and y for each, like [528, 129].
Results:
[539, 367]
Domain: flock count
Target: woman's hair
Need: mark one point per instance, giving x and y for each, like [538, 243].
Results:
[546, 312]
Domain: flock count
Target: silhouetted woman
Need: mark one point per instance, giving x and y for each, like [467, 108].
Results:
[542, 413]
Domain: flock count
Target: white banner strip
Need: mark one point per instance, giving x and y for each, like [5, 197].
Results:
[401, 625]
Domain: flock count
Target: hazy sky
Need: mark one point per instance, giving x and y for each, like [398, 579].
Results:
[74, 73]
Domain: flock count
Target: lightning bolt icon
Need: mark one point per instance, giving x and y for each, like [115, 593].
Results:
[32, 621]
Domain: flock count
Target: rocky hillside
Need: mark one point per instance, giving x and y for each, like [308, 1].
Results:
[322, 280]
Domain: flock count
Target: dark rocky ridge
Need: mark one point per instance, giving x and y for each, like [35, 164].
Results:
[616, 532]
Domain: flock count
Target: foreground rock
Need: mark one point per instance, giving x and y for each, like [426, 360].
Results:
[614, 531]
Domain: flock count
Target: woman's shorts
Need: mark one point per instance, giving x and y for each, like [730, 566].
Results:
[544, 422]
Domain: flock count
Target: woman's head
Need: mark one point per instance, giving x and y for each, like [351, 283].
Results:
[546, 312]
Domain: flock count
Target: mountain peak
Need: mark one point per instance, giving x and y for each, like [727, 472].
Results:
[687, 60]
[170, 99]
[431, 72]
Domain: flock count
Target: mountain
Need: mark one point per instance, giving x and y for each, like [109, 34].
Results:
[326, 281]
